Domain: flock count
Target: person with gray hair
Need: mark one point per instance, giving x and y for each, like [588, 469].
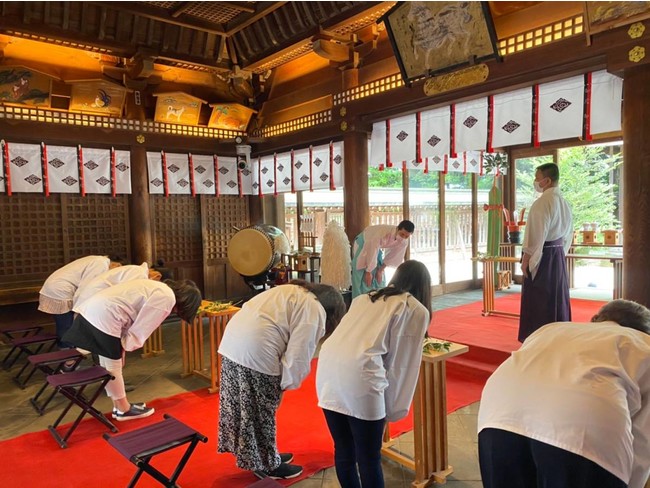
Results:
[571, 407]
[266, 349]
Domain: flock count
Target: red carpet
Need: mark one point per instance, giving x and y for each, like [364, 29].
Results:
[36, 460]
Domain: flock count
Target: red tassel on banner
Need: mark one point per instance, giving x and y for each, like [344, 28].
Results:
[5, 157]
[465, 163]
[490, 123]
[446, 166]
[480, 164]
[536, 116]
[311, 167]
[389, 163]
[239, 184]
[381, 167]
[163, 160]
[275, 174]
[588, 88]
[418, 138]
[426, 166]
[82, 181]
[259, 176]
[452, 127]
[332, 185]
[46, 179]
[113, 175]
[293, 184]
[215, 160]
[190, 162]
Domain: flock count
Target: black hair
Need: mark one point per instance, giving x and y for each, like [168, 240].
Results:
[165, 273]
[329, 298]
[116, 258]
[549, 170]
[410, 277]
[407, 225]
[188, 298]
[625, 313]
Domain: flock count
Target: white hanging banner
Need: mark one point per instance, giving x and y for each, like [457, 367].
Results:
[301, 170]
[283, 172]
[249, 179]
[337, 173]
[472, 161]
[321, 167]
[471, 125]
[266, 175]
[26, 170]
[178, 174]
[512, 116]
[97, 170]
[560, 109]
[434, 137]
[156, 180]
[227, 176]
[378, 145]
[123, 172]
[402, 143]
[62, 169]
[203, 166]
[606, 95]
[457, 164]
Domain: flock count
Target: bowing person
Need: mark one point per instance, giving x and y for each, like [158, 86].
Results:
[368, 370]
[267, 348]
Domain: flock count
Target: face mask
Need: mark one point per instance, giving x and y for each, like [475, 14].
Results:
[538, 187]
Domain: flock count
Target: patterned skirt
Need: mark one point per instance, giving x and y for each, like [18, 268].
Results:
[248, 402]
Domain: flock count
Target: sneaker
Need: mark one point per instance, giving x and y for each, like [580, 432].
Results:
[286, 457]
[135, 412]
[283, 472]
[137, 404]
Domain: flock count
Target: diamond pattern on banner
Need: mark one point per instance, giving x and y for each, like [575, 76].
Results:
[178, 174]
[457, 164]
[471, 125]
[122, 172]
[25, 167]
[63, 169]
[228, 182]
[266, 175]
[283, 172]
[338, 173]
[378, 145]
[97, 170]
[321, 167]
[512, 118]
[301, 169]
[156, 181]
[606, 96]
[561, 108]
[204, 182]
[434, 137]
[402, 139]
[472, 162]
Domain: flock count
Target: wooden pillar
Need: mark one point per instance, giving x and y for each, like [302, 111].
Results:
[636, 213]
[139, 210]
[355, 191]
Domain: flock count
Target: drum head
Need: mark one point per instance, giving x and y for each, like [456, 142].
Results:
[250, 252]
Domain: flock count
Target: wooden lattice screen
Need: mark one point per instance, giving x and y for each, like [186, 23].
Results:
[222, 217]
[177, 229]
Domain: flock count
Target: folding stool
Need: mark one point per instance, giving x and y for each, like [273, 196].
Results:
[140, 445]
[16, 331]
[24, 344]
[72, 386]
[51, 363]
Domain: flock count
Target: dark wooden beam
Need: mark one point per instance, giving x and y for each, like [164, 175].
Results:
[264, 8]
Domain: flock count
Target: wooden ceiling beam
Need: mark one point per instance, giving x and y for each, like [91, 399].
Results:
[162, 15]
[241, 6]
[264, 9]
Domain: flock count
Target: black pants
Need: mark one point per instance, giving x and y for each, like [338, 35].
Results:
[510, 460]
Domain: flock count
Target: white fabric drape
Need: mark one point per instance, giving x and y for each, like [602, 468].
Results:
[204, 182]
[471, 125]
[267, 175]
[63, 169]
[301, 169]
[434, 137]
[560, 109]
[154, 167]
[512, 118]
[321, 167]
[97, 170]
[227, 177]
[178, 174]
[283, 172]
[122, 172]
[402, 142]
[338, 164]
[25, 168]
[605, 107]
[378, 145]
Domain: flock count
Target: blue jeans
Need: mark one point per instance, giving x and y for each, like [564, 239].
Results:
[356, 443]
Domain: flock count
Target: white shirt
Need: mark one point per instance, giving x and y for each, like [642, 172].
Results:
[582, 387]
[375, 238]
[368, 368]
[112, 277]
[131, 310]
[63, 283]
[276, 333]
[549, 219]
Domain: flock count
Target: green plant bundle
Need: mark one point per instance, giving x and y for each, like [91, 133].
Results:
[431, 346]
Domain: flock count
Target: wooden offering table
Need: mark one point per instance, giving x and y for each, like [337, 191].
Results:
[431, 461]
[192, 343]
[488, 284]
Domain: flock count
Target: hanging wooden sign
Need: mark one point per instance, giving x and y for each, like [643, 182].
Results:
[25, 86]
[456, 80]
[230, 116]
[178, 108]
[97, 96]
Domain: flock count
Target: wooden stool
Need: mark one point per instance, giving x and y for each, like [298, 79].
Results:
[72, 386]
[505, 278]
[139, 446]
[52, 363]
[24, 345]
